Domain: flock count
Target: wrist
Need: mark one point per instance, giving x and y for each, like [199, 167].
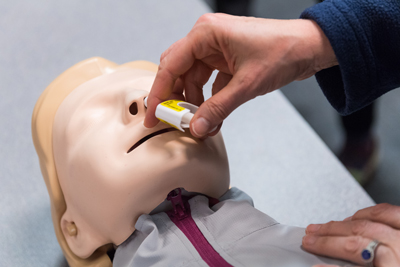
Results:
[324, 56]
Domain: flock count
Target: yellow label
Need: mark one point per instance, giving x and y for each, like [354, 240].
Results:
[169, 124]
[173, 104]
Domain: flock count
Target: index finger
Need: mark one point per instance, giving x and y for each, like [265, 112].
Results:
[174, 64]
[382, 213]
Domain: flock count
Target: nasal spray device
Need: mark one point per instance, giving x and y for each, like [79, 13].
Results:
[176, 113]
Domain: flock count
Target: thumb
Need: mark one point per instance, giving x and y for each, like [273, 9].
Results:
[213, 111]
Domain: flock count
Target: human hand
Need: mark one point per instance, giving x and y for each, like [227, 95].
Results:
[347, 239]
[254, 56]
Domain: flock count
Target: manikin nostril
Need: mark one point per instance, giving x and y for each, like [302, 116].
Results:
[133, 109]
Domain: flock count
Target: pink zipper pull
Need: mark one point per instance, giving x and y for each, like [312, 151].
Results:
[178, 204]
[182, 218]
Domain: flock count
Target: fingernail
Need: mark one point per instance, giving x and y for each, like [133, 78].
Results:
[201, 126]
[312, 228]
[309, 239]
[348, 219]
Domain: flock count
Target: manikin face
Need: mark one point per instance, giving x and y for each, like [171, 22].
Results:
[112, 169]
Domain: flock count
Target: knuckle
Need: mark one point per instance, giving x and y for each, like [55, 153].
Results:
[358, 227]
[245, 88]
[251, 85]
[203, 28]
[384, 230]
[353, 244]
[163, 63]
[246, 81]
[385, 255]
[163, 69]
[164, 54]
[206, 18]
[217, 110]
[380, 209]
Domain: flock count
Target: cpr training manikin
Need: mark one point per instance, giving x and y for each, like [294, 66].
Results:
[125, 195]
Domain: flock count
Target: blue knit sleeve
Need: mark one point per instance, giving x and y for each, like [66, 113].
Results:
[365, 35]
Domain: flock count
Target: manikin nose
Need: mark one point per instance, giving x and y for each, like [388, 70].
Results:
[133, 108]
[135, 102]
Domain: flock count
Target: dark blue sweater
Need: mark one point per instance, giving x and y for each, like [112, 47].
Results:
[365, 35]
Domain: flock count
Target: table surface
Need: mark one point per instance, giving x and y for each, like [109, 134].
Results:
[274, 155]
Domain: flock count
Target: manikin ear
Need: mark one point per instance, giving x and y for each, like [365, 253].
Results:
[81, 238]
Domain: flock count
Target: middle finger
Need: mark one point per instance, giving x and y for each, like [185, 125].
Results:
[365, 228]
[195, 78]
[347, 248]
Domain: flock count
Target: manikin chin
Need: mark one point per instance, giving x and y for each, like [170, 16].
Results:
[109, 168]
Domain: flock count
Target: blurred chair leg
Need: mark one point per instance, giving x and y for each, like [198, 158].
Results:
[360, 151]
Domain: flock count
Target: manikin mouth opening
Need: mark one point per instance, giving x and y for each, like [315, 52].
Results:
[147, 137]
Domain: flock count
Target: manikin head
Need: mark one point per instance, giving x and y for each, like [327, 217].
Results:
[102, 167]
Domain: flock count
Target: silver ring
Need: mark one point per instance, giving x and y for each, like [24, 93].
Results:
[368, 253]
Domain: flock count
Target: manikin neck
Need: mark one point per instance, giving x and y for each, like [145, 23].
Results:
[166, 204]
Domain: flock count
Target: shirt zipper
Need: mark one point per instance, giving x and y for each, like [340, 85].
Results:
[182, 218]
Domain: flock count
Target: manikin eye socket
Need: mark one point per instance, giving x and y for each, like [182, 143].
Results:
[133, 108]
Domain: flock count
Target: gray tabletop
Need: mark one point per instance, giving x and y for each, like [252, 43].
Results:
[274, 155]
